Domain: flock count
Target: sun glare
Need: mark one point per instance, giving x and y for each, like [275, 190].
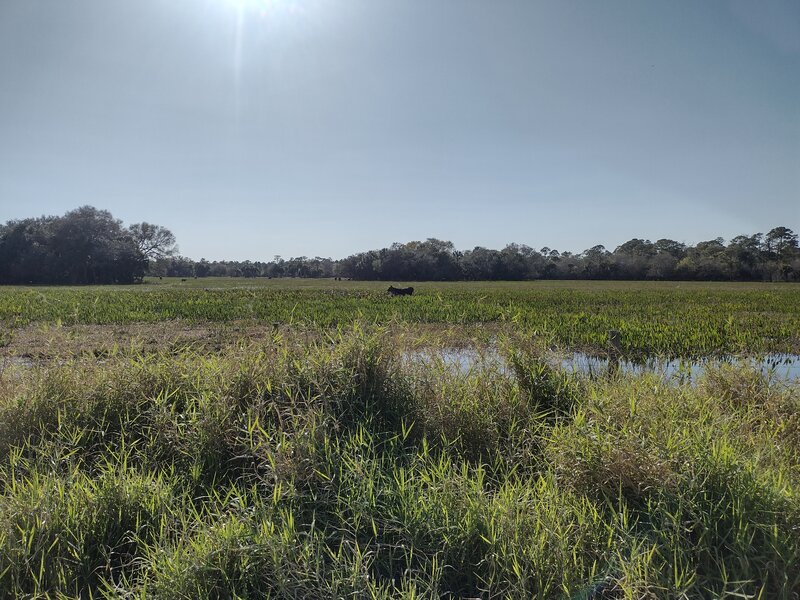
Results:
[248, 4]
[257, 18]
[263, 7]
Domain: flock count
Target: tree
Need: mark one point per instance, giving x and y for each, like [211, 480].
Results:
[671, 247]
[202, 268]
[24, 253]
[249, 269]
[153, 241]
[781, 246]
[481, 263]
[744, 254]
[662, 266]
[179, 266]
[596, 262]
[85, 246]
[781, 241]
[706, 262]
[633, 258]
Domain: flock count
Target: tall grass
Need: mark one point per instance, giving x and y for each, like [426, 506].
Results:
[341, 468]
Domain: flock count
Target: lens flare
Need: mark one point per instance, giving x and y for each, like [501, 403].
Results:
[265, 7]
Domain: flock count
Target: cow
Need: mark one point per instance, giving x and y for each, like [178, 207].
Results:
[400, 291]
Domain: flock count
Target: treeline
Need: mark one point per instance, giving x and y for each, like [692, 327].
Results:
[89, 246]
[84, 246]
[180, 266]
[773, 256]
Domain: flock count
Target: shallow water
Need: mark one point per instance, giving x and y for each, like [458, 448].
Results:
[16, 361]
[783, 367]
[779, 367]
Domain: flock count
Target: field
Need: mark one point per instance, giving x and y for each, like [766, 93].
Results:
[670, 319]
[281, 439]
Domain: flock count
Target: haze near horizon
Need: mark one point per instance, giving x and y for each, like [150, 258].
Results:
[315, 127]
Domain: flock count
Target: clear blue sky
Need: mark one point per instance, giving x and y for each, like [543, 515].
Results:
[324, 127]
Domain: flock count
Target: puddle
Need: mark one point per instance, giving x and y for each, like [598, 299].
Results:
[16, 361]
[464, 359]
[780, 367]
[14, 366]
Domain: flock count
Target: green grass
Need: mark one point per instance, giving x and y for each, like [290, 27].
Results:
[674, 319]
[166, 441]
[337, 468]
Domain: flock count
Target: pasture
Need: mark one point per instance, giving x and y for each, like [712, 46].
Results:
[277, 439]
[669, 319]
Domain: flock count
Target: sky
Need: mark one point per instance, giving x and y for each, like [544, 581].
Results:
[254, 128]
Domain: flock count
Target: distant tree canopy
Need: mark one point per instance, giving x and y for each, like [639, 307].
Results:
[88, 245]
[758, 257]
[84, 246]
[153, 241]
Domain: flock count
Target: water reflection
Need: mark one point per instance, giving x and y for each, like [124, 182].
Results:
[780, 367]
[785, 367]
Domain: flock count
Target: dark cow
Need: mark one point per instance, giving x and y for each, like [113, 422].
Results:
[400, 291]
